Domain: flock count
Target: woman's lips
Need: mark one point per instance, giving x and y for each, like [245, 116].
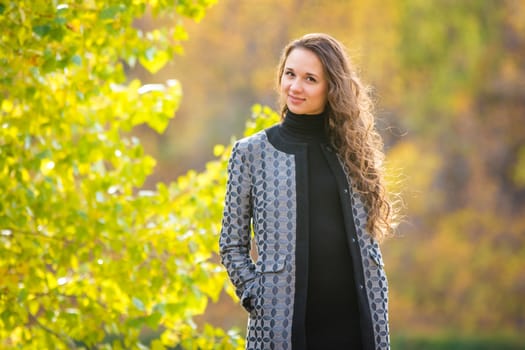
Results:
[295, 100]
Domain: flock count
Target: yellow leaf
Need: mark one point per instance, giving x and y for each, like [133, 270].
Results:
[7, 106]
[34, 306]
[74, 262]
[47, 166]
[157, 345]
[218, 150]
[25, 175]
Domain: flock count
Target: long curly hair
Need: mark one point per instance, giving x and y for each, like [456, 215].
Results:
[351, 127]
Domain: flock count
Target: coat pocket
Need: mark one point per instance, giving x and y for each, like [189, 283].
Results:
[269, 271]
[270, 265]
[262, 267]
[375, 256]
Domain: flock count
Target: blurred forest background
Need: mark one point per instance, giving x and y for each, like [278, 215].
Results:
[449, 81]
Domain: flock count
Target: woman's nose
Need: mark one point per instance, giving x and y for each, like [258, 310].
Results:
[295, 85]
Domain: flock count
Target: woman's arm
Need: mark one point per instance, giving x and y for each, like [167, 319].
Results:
[235, 236]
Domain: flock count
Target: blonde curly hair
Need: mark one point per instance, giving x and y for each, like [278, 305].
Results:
[351, 127]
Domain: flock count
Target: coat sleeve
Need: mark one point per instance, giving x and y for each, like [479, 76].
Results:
[235, 235]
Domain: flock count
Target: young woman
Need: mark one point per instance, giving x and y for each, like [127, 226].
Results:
[311, 188]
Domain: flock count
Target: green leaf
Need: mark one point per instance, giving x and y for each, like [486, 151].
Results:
[153, 320]
[138, 303]
[137, 322]
[42, 30]
[76, 59]
[60, 20]
[109, 12]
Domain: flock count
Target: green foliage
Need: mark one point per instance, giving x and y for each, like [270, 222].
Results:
[89, 260]
[446, 50]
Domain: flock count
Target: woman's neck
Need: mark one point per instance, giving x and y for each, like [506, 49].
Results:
[305, 127]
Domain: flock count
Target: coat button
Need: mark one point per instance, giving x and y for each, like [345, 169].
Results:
[329, 149]
[346, 191]
[361, 287]
[353, 240]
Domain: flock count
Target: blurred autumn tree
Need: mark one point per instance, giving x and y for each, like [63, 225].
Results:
[88, 260]
[449, 81]
[464, 100]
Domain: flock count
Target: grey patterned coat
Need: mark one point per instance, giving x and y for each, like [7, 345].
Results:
[267, 192]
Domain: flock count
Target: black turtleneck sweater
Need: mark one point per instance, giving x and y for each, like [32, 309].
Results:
[332, 315]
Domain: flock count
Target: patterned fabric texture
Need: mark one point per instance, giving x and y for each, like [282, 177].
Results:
[261, 194]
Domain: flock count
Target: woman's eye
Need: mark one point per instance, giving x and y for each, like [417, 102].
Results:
[290, 74]
[312, 79]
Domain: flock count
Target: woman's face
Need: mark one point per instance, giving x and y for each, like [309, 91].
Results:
[303, 84]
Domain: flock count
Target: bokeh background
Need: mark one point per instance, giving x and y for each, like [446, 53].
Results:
[449, 83]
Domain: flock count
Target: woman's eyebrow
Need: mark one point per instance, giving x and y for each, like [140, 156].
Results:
[312, 74]
[307, 73]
